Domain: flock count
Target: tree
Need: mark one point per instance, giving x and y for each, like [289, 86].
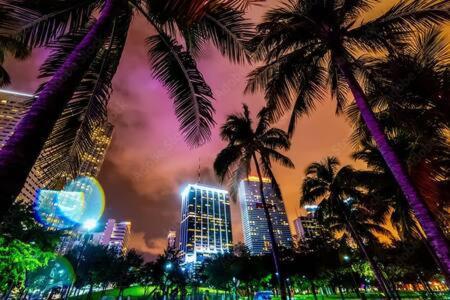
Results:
[20, 224]
[168, 275]
[340, 208]
[9, 45]
[93, 265]
[127, 270]
[419, 76]
[260, 146]
[16, 259]
[83, 41]
[309, 45]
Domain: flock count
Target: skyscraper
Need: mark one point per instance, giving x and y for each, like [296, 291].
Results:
[308, 228]
[254, 222]
[171, 239]
[205, 222]
[92, 160]
[13, 106]
[116, 235]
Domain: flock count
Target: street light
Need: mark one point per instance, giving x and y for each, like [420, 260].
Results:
[89, 224]
[346, 257]
[168, 266]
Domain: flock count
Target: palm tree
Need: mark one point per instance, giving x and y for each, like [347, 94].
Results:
[38, 23]
[259, 146]
[9, 45]
[340, 207]
[307, 45]
[416, 126]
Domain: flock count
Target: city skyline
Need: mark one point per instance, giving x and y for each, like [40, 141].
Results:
[147, 146]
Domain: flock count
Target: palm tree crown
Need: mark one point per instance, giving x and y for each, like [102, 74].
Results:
[246, 142]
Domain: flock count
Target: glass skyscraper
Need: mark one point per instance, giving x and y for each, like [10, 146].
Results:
[205, 227]
[254, 222]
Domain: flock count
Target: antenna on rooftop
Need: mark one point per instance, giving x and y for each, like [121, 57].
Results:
[198, 179]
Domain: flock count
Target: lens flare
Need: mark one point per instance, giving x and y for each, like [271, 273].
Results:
[59, 209]
[82, 200]
[94, 197]
[58, 274]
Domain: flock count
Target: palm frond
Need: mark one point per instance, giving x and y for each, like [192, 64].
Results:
[278, 157]
[226, 160]
[36, 23]
[5, 79]
[276, 138]
[74, 133]
[313, 190]
[393, 26]
[229, 31]
[191, 95]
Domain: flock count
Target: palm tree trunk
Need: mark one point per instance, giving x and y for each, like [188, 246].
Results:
[424, 216]
[375, 268]
[24, 146]
[275, 251]
[313, 288]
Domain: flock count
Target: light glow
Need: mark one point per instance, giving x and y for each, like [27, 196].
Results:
[90, 224]
[203, 188]
[17, 93]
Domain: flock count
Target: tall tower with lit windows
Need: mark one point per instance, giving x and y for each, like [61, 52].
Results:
[205, 223]
[13, 106]
[254, 222]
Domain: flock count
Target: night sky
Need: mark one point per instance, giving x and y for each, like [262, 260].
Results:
[148, 162]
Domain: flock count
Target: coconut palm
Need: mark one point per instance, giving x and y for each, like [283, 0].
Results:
[9, 45]
[258, 146]
[340, 207]
[416, 126]
[38, 23]
[308, 46]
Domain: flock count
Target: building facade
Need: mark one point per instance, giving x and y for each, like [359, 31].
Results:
[116, 235]
[254, 222]
[13, 106]
[307, 227]
[92, 161]
[205, 227]
[171, 239]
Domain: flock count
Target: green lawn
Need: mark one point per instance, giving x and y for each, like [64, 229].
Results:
[137, 292]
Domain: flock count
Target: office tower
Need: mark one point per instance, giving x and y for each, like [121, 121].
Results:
[307, 227]
[91, 161]
[205, 227]
[171, 239]
[13, 106]
[116, 235]
[254, 222]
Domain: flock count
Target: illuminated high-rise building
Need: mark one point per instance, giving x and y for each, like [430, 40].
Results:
[13, 106]
[205, 223]
[171, 239]
[91, 161]
[254, 222]
[116, 235]
[307, 227]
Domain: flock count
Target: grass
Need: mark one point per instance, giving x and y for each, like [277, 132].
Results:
[137, 292]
